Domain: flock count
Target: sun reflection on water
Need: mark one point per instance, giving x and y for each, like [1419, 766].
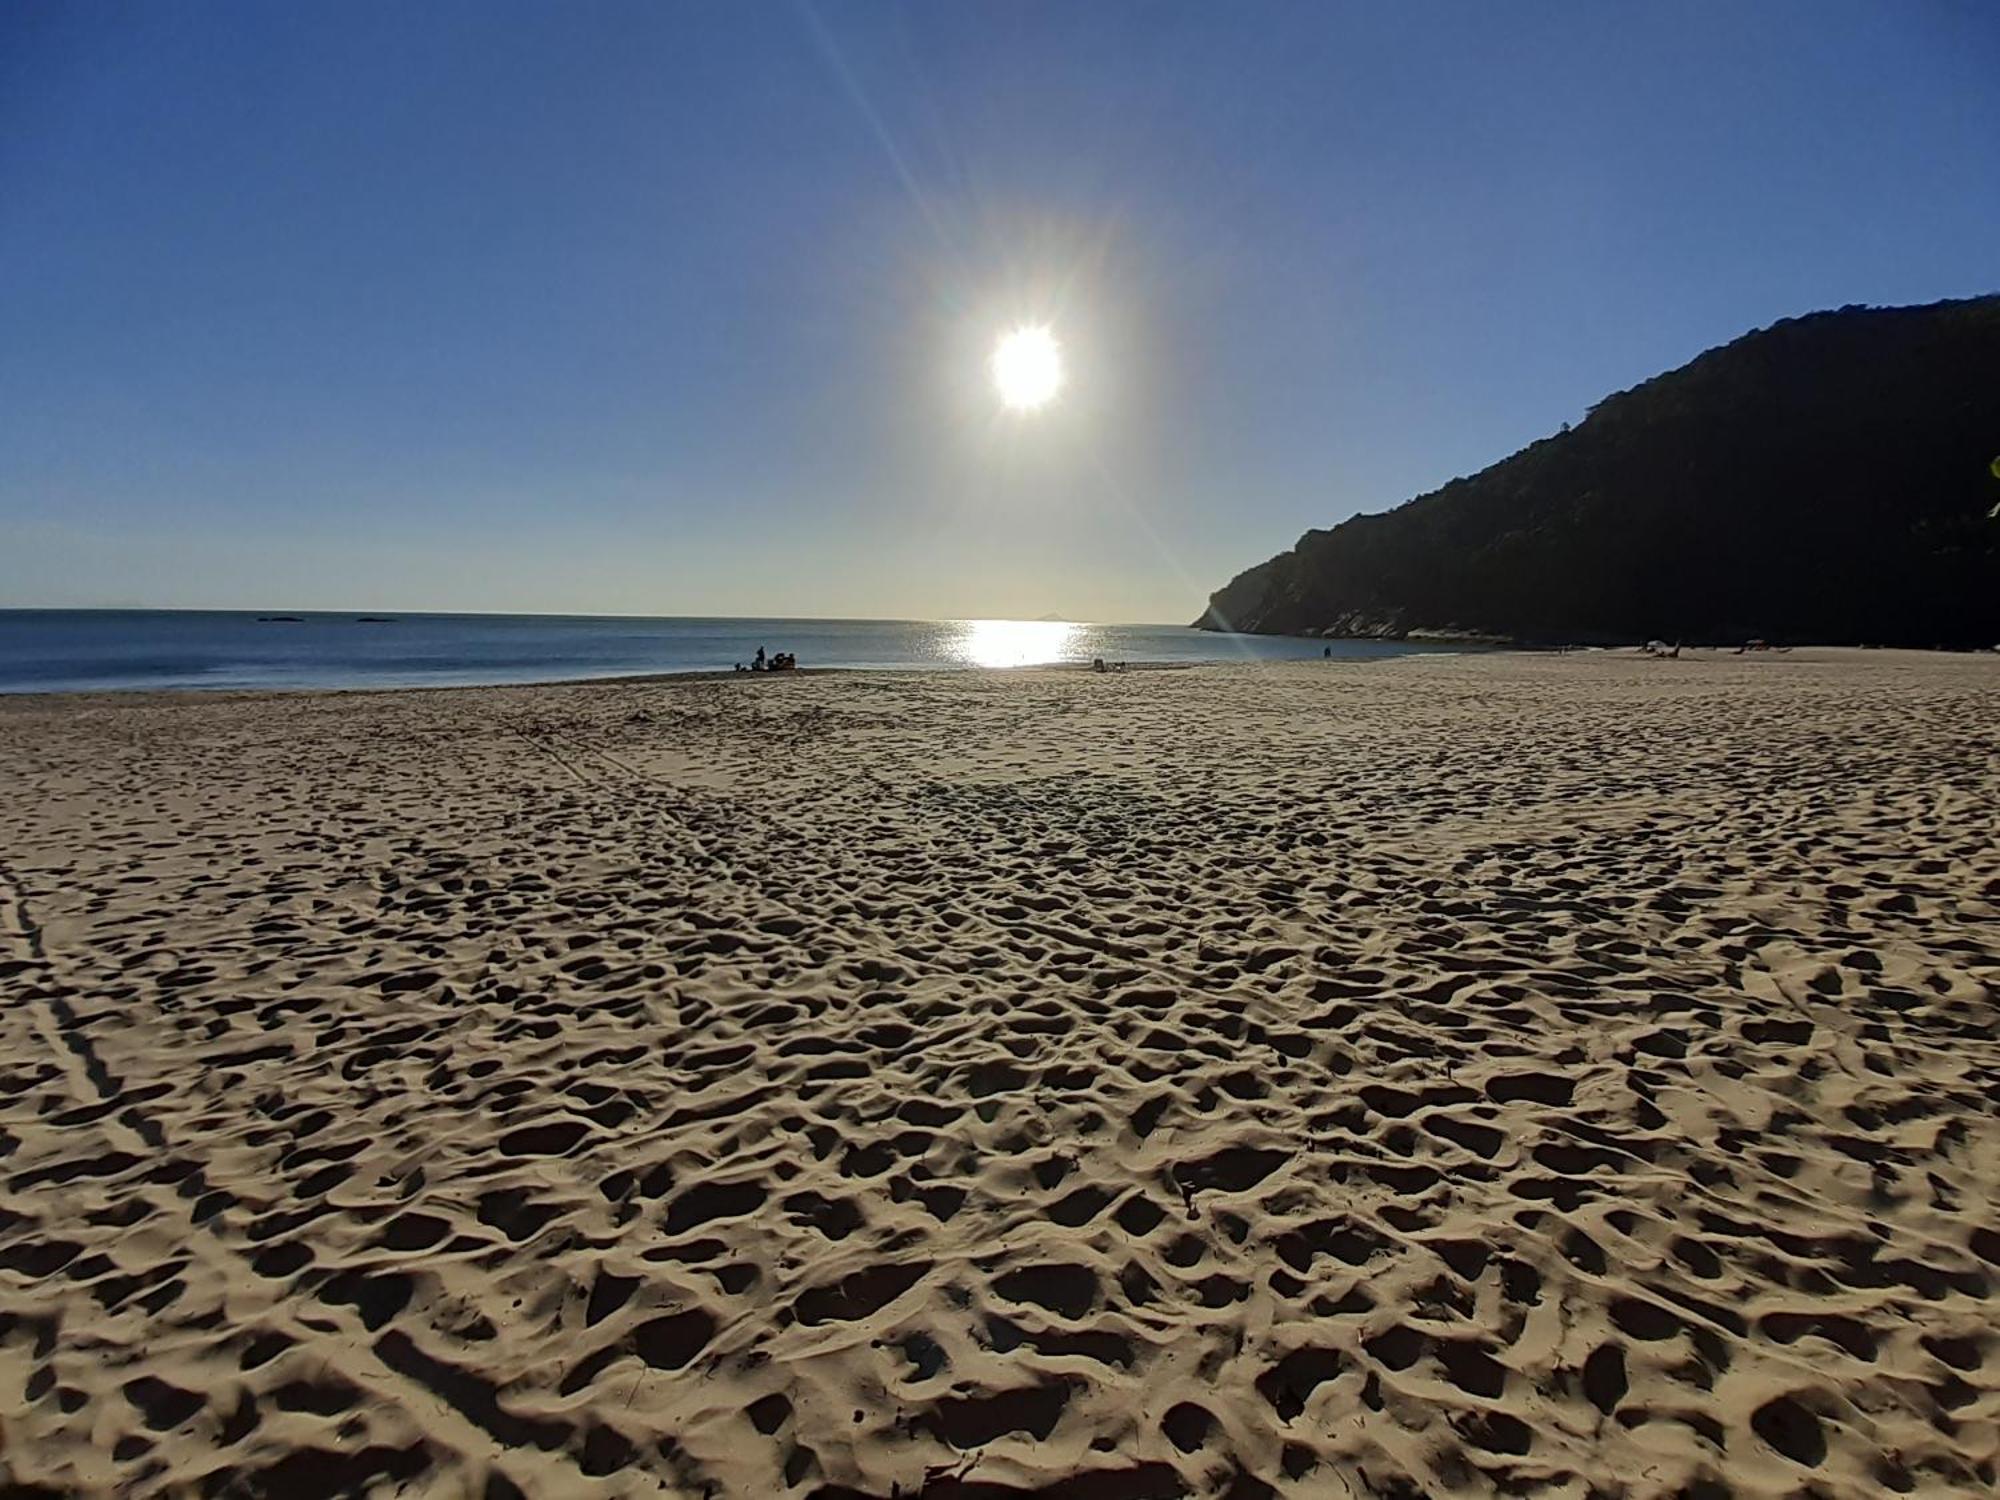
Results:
[1014, 643]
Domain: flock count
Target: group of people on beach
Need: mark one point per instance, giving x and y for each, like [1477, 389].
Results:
[783, 661]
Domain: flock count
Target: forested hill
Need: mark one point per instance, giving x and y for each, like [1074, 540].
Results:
[1827, 479]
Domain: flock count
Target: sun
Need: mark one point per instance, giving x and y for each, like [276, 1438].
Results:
[1027, 368]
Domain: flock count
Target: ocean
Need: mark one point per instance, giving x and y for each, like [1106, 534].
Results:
[45, 651]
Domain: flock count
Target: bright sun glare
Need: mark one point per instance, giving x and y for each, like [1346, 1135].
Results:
[1028, 368]
[1014, 643]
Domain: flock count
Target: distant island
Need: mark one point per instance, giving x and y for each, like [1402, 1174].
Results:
[1830, 478]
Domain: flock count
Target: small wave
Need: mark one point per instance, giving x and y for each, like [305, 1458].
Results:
[30, 676]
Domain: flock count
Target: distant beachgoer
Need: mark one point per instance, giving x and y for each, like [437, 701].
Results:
[757, 662]
[1097, 664]
[1328, 653]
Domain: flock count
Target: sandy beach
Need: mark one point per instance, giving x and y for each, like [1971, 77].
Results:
[1563, 1076]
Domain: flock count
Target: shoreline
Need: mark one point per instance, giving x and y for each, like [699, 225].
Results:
[709, 675]
[1691, 654]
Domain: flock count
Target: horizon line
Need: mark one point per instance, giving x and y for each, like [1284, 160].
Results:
[384, 612]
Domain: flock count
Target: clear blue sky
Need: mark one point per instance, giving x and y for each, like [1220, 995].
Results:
[683, 308]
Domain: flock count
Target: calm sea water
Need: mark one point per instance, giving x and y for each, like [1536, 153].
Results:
[89, 650]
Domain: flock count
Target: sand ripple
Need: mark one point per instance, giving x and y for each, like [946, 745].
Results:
[1535, 1076]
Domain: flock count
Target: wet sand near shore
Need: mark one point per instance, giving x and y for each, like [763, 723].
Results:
[1437, 1076]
